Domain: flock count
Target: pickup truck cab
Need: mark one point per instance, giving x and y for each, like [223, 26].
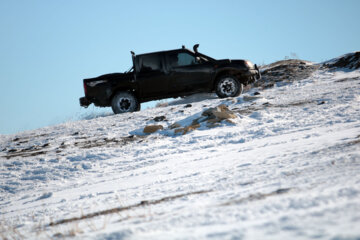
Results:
[166, 74]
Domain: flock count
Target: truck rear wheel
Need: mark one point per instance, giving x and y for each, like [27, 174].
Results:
[124, 102]
[228, 86]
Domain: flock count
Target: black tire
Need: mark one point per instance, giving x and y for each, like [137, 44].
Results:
[124, 102]
[228, 86]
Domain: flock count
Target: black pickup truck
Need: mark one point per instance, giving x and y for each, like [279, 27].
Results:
[168, 74]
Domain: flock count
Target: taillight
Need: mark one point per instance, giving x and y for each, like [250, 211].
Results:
[85, 88]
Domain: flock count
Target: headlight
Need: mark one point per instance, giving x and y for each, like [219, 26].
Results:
[249, 64]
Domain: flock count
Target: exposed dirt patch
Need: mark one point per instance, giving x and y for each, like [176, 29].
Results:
[120, 209]
[341, 146]
[257, 196]
[355, 141]
[254, 108]
[348, 79]
[26, 139]
[27, 152]
[86, 143]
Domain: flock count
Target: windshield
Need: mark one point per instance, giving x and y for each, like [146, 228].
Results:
[206, 58]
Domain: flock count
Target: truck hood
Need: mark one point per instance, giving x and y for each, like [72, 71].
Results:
[227, 61]
[106, 77]
[240, 63]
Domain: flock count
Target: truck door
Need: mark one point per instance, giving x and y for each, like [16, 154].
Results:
[186, 74]
[150, 75]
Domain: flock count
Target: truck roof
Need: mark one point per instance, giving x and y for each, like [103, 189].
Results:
[166, 51]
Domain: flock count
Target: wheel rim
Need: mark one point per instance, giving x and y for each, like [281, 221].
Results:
[227, 86]
[124, 104]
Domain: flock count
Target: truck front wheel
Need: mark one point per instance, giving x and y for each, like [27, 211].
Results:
[228, 86]
[124, 102]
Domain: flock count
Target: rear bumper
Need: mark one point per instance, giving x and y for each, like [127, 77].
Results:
[84, 102]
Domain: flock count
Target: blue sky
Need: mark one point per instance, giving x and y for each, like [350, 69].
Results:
[48, 47]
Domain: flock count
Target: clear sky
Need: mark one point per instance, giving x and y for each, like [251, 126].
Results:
[48, 47]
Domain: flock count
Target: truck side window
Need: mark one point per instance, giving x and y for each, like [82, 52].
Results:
[150, 63]
[181, 59]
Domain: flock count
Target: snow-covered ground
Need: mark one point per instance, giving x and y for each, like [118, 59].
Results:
[287, 169]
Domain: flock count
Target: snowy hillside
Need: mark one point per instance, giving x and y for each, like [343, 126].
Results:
[283, 164]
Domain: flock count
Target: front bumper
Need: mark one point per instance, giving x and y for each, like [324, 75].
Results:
[258, 75]
[84, 102]
[253, 75]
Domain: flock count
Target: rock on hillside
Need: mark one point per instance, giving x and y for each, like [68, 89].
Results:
[350, 61]
[285, 71]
